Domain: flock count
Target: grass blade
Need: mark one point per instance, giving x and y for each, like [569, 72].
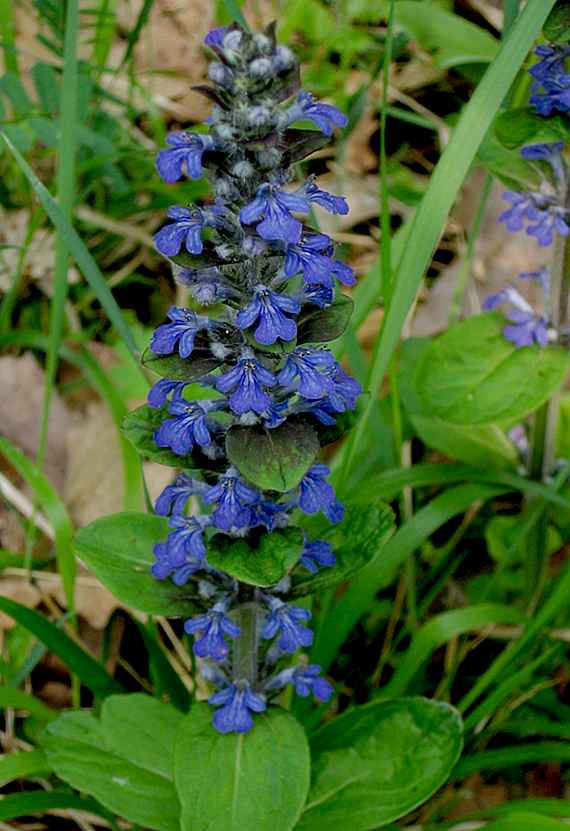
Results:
[22, 764]
[511, 757]
[19, 700]
[38, 802]
[336, 626]
[57, 641]
[78, 250]
[47, 497]
[442, 191]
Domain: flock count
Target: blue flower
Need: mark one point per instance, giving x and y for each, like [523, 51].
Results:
[174, 497]
[319, 295]
[270, 514]
[212, 628]
[185, 149]
[188, 427]
[303, 370]
[550, 153]
[182, 555]
[543, 214]
[275, 414]
[551, 87]
[268, 308]
[273, 206]
[215, 37]
[288, 620]
[345, 390]
[526, 325]
[333, 204]
[181, 332]
[185, 230]
[324, 116]
[318, 268]
[552, 64]
[160, 391]
[248, 379]
[317, 554]
[233, 499]
[306, 679]
[235, 702]
[316, 494]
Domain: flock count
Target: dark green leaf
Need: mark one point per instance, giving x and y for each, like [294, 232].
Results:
[119, 549]
[261, 565]
[91, 673]
[507, 164]
[524, 126]
[22, 764]
[275, 459]
[378, 762]
[323, 325]
[557, 26]
[298, 144]
[125, 760]
[356, 541]
[473, 375]
[23, 804]
[258, 781]
[180, 369]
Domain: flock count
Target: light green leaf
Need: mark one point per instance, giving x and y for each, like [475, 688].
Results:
[485, 447]
[378, 762]
[22, 765]
[523, 125]
[119, 549]
[236, 782]
[262, 565]
[473, 375]
[129, 769]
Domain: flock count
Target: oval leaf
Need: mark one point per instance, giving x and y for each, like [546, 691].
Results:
[486, 446]
[356, 541]
[323, 325]
[236, 782]
[474, 375]
[378, 762]
[523, 125]
[274, 460]
[262, 565]
[132, 776]
[118, 548]
[139, 426]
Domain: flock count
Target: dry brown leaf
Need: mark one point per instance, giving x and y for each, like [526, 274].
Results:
[22, 384]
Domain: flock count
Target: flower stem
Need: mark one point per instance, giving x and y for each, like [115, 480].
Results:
[246, 646]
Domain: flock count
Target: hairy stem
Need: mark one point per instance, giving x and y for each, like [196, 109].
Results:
[246, 646]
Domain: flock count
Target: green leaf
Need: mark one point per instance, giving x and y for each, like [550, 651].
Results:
[22, 765]
[557, 26]
[323, 325]
[263, 564]
[38, 802]
[276, 459]
[19, 700]
[91, 673]
[526, 821]
[523, 125]
[118, 548]
[125, 760]
[356, 542]
[507, 165]
[473, 375]
[486, 446]
[47, 86]
[464, 42]
[139, 426]
[177, 368]
[378, 762]
[235, 782]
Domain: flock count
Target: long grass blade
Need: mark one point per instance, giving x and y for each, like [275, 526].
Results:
[442, 191]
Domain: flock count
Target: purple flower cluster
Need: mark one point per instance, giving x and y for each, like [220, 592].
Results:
[526, 326]
[551, 81]
[251, 253]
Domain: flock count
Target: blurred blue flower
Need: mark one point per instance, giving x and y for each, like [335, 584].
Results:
[186, 149]
[212, 629]
[288, 622]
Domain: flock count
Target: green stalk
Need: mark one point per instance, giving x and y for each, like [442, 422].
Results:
[543, 440]
[246, 646]
[8, 35]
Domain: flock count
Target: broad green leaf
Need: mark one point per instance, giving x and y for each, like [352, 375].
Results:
[557, 26]
[235, 782]
[486, 446]
[356, 542]
[275, 459]
[376, 763]
[507, 164]
[263, 564]
[523, 125]
[119, 549]
[21, 765]
[464, 42]
[139, 426]
[180, 369]
[128, 770]
[323, 325]
[473, 375]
